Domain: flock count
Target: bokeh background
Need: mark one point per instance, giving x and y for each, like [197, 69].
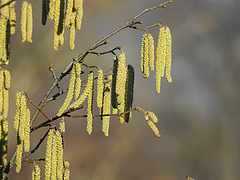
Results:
[199, 117]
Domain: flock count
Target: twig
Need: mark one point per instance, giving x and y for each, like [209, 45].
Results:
[9, 2]
[33, 160]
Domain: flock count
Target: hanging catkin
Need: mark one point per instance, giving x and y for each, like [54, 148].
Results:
[168, 55]
[3, 141]
[90, 108]
[100, 88]
[48, 156]
[78, 80]
[36, 173]
[26, 22]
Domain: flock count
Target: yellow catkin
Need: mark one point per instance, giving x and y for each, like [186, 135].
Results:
[143, 51]
[5, 9]
[7, 79]
[1, 90]
[114, 110]
[100, 88]
[69, 94]
[2, 35]
[90, 109]
[36, 174]
[62, 125]
[153, 127]
[78, 80]
[152, 116]
[3, 141]
[106, 109]
[5, 103]
[79, 7]
[151, 51]
[68, 13]
[66, 174]
[48, 156]
[54, 157]
[56, 17]
[24, 21]
[72, 31]
[85, 93]
[59, 156]
[29, 23]
[22, 117]
[51, 9]
[19, 155]
[168, 55]
[26, 142]
[12, 17]
[61, 38]
[17, 113]
[145, 56]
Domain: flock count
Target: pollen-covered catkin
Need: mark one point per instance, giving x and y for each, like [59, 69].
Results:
[36, 173]
[12, 17]
[90, 109]
[48, 156]
[51, 9]
[168, 55]
[145, 56]
[26, 141]
[19, 155]
[24, 21]
[151, 51]
[1, 90]
[100, 88]
[152, 116]
[7, 79]
[59, 156]
[22, 117]
[78, 80]
[54, 157]
[29, 23]
[79, 7]
[62, 125]
[106, 108]
[68, 13]
[84, 95]
[66, 173]
[3, 141]
[17, 113]
[72, 30]
[152, 126]
[69, 94]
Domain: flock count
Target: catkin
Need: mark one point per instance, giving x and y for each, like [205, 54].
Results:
[72, 30]
[54, 157]
[114, 80]
[66, 174]
[24, 21]
[59, 155]
[152, 116]
[129, 91]
[19, 155]
[90, 109]
[5, 9]
[106, 108]
[79, 7]
[100, 88]
[62, 125]
[1, 90]
[78, 80]
[36, 173]
[26, 141]
[51, 9]
[151, 51]
[22, 117]
[17, 113]
[153, 128]
[69, 94]
[29, 23]
[145, 56]
[3, 141]
[56, 17]
[69, 12]
[7, 79]
[49, 154]
[168, 55]
[84, 95]
[12, 17]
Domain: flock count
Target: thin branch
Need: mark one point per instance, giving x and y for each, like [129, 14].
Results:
[6, 4]
[33, 160]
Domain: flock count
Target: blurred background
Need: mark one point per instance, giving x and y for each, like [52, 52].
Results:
[199, 117]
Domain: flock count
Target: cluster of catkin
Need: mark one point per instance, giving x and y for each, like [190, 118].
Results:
[163, 56]
[7, 28]
[64, 15]
[22, 127]
[151, 119]
[5, 79]
[26, 22]
[54, 168]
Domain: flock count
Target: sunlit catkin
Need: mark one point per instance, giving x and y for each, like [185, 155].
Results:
[68, 13]
[22, 117]
[24, 21]
[29, 23]
[1, 90]
[26, 141]
[51, 9]
[151, 51]
[152, 116]
[106, 108]
[152, 126]
[36, 173]
[84, 95]
[69, 94]
[12, 17]
[7, 79]
[54, 157]
[62, 125]
[17, 113]
[100, 88]
[90, 109]
[72, 31]
[78, 80]
[145, 56]
[19, 155]
[56, 17]
[59, 155]
[79, 7]
[66, 174]
[48, 156]
[168, 55]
